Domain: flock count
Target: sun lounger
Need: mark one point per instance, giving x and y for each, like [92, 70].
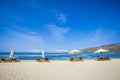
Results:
[42, 60]
[46, 60]
[80, 59]
[15, 60]
[72, 59]
[9, 60]
[103, 59]
[107, 58]
[38, 60]
[3, 60]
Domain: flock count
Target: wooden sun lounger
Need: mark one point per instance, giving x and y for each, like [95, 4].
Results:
[72, 59]
[80, 59]
[9, 60]
[107, 58]
[42, 60]
[76, 60]
[3, 60]
[103, 59]
[15, 60]
[38, 60]
[46, 60]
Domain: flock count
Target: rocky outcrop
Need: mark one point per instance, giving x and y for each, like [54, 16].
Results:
[111, 48]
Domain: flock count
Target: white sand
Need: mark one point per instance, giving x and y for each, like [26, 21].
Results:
[61, 70]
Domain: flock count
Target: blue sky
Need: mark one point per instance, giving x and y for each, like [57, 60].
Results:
[58, 25]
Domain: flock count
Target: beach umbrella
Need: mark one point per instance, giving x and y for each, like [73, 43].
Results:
[74, 52]
[43, 56]
[11, 53]
[100, 51]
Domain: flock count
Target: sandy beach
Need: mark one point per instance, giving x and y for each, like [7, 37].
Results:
[61, 70]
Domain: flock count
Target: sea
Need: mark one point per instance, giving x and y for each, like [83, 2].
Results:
[58, 55]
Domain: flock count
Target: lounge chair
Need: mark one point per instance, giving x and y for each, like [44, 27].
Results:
[15, 60]
[100, 59]
[107, 58]
[46, 60]
[80, 59]
[3, 60]
[9, 60]
[103, 59]
[72, 59]
[38, 60]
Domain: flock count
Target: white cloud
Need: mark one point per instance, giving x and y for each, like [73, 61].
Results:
[19, 29]
[35, 50]
[101, 35]
[61, 50]
[96, 37]
[61, 17]
[56, 30]
[24, 34]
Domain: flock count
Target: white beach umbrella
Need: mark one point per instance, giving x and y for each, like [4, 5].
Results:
[74, 52]
[101, 51]
[43, 53]
[11, 53]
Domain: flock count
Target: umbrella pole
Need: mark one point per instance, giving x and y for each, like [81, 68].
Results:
[100, 54]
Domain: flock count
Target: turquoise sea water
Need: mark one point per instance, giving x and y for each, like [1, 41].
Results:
[57, 56]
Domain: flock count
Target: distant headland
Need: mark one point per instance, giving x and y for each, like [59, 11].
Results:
[110, 47]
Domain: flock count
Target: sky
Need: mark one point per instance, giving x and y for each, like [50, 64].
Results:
[58, 25]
